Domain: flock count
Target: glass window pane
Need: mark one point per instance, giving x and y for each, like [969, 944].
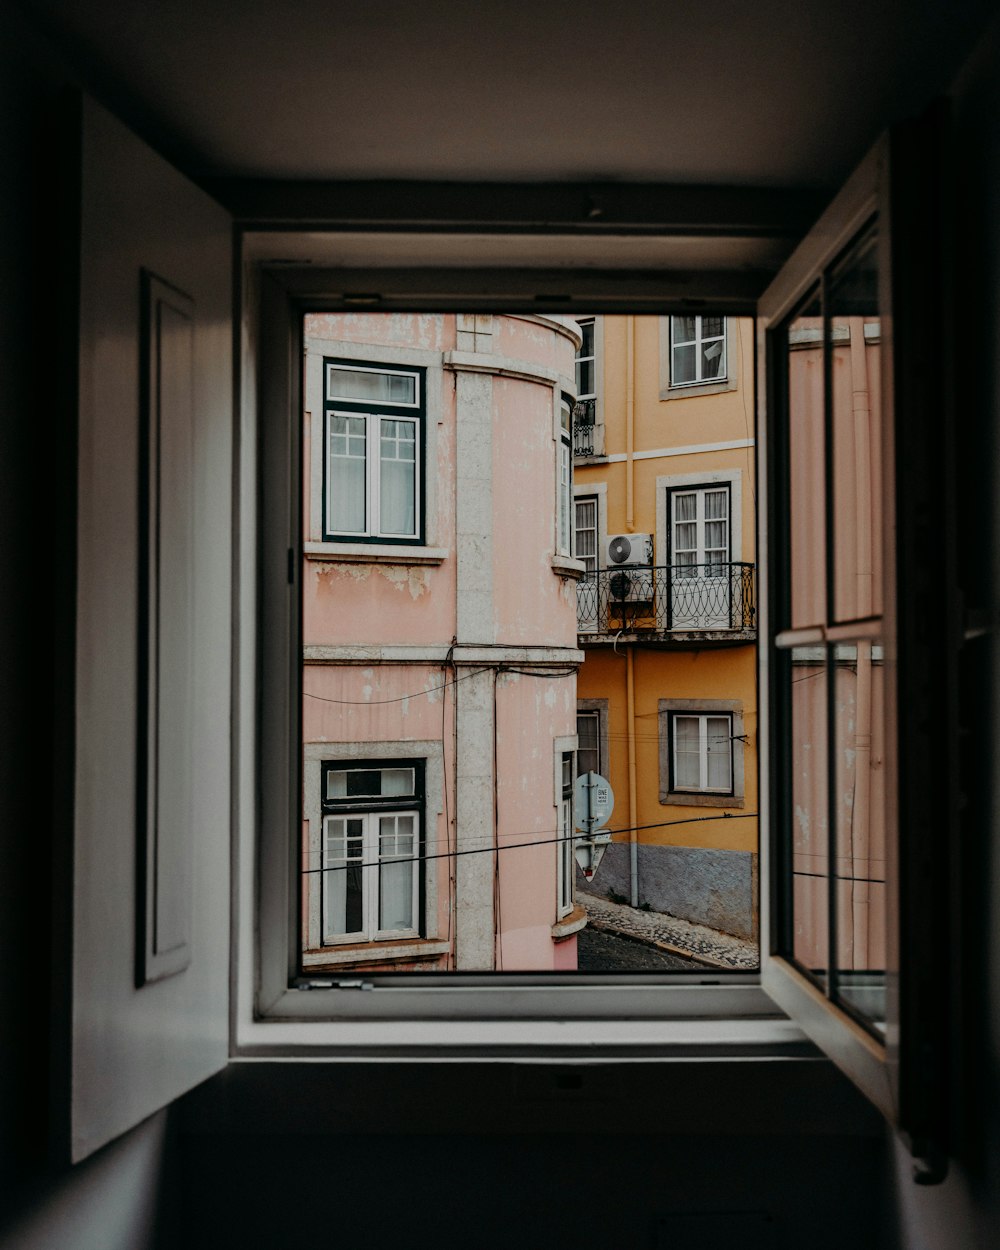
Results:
[397, 498]
[588, 752]
[587, 346]
[720, 752]
[685, 537]
[371, 385]
[347, 472]
[397, 780]
[809, 810]
[685, 507]
[860, 808]
[712, 327]
[855, 355]
[683, 365]
[713, 360]
[343, 904]
[584, 378]
[687, 764]
[396, 841]
[683, 329]
[806, 442]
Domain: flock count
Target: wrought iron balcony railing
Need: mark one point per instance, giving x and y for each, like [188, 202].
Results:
[584, 414]
[679, 597]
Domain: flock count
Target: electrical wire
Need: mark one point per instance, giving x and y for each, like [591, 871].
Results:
[495, 848]
[399, 698]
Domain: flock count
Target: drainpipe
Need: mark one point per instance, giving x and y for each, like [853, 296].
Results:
[630, 424]
[633, 836]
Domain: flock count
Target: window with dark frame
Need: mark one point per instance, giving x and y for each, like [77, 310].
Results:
[701, 753]
[588, 732]
[586, 361]
[371, 850]
[829, 647]
[373, 461]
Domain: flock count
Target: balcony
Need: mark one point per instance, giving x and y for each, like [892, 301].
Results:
[675, 605]
[588, 434]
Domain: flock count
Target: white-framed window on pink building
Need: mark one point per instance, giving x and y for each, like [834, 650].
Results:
[373, 466]
[371, 851]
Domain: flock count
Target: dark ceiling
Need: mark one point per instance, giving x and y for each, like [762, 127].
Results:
[776, 93]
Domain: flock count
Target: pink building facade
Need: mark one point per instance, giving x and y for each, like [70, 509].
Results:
[439, 643]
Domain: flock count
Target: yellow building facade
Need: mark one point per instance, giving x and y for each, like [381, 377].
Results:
[665, 527]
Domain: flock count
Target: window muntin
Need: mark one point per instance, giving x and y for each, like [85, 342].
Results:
[371, 849]
[697, 350]
[702, 753]
[373, 463]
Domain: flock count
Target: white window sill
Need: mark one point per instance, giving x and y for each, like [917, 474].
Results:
[373, 952]
[687, 390]
[501, 1040]
[565, 566]
[571, 923]
[375, 553]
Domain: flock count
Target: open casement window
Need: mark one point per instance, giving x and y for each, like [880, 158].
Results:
[145, 955]
[856, 800]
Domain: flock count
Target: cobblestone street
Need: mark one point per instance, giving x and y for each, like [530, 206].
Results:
[687, 945]
[601, 951]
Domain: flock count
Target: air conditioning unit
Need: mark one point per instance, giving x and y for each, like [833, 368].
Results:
[628, 550]
[630, 561]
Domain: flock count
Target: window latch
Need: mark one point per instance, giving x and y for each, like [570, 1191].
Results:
[354, 984]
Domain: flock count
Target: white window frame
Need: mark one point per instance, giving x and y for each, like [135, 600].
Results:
[472, 1013]
[594, 502]
[697, 342]
[703, 752]
[371, 859]
[564, 476]
[700, 521]
[582, 359]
